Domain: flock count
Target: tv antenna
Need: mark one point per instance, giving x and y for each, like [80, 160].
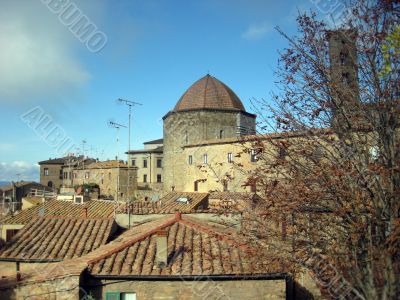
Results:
[129, 103]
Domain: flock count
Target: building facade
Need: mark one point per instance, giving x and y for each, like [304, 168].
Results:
[209, 110]
[149, 162]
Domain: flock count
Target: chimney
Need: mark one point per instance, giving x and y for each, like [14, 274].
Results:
[85, 213]
[162, 249]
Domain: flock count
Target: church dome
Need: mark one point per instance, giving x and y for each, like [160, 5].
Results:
[209, 93]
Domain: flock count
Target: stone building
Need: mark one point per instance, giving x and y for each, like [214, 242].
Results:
[208, 110]
[56, 173]
[116, 180]
[150, 165]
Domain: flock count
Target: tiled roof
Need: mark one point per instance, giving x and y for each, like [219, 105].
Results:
[139, 208]
[232, 195]
[95, 209]
[195, 248]
[57, 238]
[168, 204]
[106, 164]
[209, 93]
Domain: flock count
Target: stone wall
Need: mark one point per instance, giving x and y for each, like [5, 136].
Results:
[53, 175]
[197, 126]
[59, 289]
[210, 290]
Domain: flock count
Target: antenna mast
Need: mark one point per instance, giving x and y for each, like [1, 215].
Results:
[129, 104]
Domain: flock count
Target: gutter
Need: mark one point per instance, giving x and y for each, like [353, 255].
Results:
[268, 276]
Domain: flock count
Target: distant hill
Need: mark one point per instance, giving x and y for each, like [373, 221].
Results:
[4, 183]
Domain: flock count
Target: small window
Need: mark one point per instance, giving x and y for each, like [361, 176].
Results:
[87, 174]
[190, 160]
[253, 155]
[133, 162]
[196, 186]
[343, 58]
[120, 296]
[230, 157]
[65, 175]
[282, 153]
[186, 137]
[205, 158]
[109, 176]
[374, 152]
[159, 178]
[225, 183]
[75, 175]
[46, 172]
[144, 163]
[159, 163]
[145, 178]
[346, 78]
[10, 234]
[221, 134]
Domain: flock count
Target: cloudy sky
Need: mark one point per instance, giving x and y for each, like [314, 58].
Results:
[155, 50]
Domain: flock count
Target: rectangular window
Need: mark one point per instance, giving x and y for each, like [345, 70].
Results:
[109, 176]
[145, 178]
[87, 175]
[46, 172]
[10, 234]
[253, 155]
[65, 175]
[282, 153]
[159, 163]
[190, 160]
[144, 163]
[230, 157]
[75, 175]
[158, 177]
[205, 158]
[133, 163]
[120, 296]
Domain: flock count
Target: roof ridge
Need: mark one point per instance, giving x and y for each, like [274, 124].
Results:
[136, 239]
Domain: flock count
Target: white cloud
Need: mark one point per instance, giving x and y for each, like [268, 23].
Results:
[36, 54]
[256, 31]
[27, 171]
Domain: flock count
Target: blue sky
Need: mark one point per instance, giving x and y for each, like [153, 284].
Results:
[156, 49]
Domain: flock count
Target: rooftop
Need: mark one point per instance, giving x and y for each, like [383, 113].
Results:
[195, 248]
[52, 208]
[52, 238]
[209, 93]
[158, 141]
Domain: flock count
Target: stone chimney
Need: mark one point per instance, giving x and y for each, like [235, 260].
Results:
[85, 213]
[162, 249]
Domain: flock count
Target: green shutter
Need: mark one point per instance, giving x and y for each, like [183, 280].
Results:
[113, 296]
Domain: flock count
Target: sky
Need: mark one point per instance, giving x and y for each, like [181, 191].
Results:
[147, 51]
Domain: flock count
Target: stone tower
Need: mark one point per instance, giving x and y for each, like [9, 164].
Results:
[343, 61]
[208, 110]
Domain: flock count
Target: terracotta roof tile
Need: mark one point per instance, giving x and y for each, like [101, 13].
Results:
[57, 238]
[168, 204]
[95, 209]
[195, 248]
[208, 92]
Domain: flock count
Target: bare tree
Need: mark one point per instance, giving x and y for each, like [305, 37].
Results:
[330, 172]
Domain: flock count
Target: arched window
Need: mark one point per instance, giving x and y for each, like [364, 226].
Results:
[50, 184]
